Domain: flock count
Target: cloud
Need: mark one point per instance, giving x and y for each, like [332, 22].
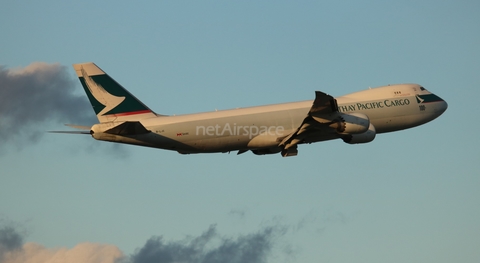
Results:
[13, 250]
[10, 241]
[251, 248]
[239, 213]
[84, 252]
[208, 247]
[37, 94]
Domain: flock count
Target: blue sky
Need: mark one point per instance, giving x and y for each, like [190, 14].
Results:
[409, 196]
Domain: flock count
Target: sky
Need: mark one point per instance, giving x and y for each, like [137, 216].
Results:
[408, 196]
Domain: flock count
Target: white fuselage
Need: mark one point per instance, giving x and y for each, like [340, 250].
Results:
[389, 108]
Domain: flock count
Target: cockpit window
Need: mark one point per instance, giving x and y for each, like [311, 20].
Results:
[422, 88]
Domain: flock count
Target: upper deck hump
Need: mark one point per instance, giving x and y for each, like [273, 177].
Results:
[380, 93]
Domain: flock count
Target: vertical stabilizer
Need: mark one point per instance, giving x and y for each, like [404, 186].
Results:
[110, 101]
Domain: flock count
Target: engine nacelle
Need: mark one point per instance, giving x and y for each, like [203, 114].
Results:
[352, 123]
[365, 137]
[264, 151]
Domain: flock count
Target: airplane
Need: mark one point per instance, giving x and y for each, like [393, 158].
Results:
[270, 129]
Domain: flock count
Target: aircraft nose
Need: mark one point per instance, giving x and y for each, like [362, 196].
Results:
[444, 106]
[441, 107]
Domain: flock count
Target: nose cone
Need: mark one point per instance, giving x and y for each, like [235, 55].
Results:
[443, 106]
[440, 107]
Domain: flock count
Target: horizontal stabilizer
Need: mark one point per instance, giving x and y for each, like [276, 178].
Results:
[86, 129]
[71, 132]
[128, 128]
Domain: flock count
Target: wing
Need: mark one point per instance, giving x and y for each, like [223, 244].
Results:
[323, 104]
[319, 118]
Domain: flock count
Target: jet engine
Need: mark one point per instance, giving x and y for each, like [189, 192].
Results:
[351, 123]
[365, 137]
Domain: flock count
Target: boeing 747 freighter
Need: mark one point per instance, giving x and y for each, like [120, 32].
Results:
[354, 118]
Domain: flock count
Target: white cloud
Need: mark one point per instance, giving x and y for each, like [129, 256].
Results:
[81, 253]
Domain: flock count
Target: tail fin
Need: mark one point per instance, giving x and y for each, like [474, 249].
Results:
[110, 101]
